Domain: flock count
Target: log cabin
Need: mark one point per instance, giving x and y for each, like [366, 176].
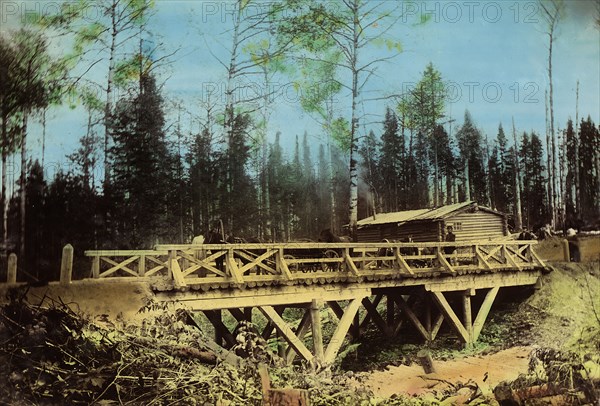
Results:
[469, 221]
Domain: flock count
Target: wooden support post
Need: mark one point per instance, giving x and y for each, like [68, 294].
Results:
[66, 265]
[566, 252]
[11, 275]
[96, 267]
[484, 311]
[428, 316]
[468, 317]
[317, 332]
[389, 311]
[342, 329]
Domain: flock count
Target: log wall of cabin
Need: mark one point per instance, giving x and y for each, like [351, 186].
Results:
[479, 225]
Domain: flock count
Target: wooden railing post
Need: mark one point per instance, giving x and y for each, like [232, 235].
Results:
[12, 269]
[66, 264]
[96, 267]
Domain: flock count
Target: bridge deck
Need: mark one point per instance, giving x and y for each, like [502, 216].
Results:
[424, 284]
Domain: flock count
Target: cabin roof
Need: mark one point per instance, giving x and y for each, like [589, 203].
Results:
[438, 213]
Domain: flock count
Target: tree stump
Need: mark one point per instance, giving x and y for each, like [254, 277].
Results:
[426, 361]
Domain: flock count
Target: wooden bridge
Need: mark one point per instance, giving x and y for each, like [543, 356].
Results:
[424, 284]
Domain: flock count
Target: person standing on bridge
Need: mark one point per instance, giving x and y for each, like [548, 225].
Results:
[450, 237]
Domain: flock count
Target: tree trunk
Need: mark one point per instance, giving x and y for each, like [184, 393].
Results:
[5, 200]
[23, 183]
[517, 184]
[555, 197]
[109, 91]
[576, 157]
[353, 130]
[549, 168]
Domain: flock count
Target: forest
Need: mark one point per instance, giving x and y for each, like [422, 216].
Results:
[138, 176]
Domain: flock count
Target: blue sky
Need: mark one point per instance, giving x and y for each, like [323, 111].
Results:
[493, 53]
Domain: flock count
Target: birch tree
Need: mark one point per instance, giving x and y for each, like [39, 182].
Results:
[552, 12]
[347, 28]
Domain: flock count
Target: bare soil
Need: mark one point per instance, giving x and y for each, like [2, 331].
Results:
[486, 371]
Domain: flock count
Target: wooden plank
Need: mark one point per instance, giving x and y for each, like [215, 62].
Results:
[286, 332]
[123, 253]
[484, 310]
[340, 332]
[451, 316]
[462, 282]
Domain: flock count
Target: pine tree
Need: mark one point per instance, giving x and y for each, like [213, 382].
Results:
[142, 180]
[370, 174]
[589, 155]
[390, 164]
[470, 143]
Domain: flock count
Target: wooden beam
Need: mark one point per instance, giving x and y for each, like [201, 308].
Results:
[451, 316]
[411, 316]
[286, 332]
[233, 268]
[482, 260]
[484, 311]
[221, 331]
[350, 263]
[444, 262]
[365, 320]
[509, 258]
[300, 333]
[342, 329]
[403, 264]
[262, 296]
[436, 326]
[178, 278]
[282, 265]
[373, 314]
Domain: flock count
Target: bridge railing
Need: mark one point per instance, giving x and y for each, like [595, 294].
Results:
[224, 265]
